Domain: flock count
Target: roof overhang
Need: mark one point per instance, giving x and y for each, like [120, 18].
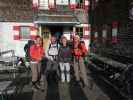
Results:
[57, 23]
[57, 20]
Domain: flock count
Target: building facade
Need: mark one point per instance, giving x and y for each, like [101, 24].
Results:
[68, 17]
[111, 42]
[16, 25]
[23, 20]
[112, 27]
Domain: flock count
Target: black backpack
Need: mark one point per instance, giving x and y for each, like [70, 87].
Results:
[27, 49]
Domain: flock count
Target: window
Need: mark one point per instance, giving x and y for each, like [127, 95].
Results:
[79, 31]
[80, 4]
[62, 2]
[45, 32]
[44, 4]
[24, 32]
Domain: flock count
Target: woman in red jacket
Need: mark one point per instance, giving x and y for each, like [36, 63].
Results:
[79, 52]
[36, 54]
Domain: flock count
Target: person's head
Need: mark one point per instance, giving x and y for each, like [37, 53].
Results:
[53, 39]
[38, 40]
[82, 42]
[71, 38]
[64, 40]
[76, 39]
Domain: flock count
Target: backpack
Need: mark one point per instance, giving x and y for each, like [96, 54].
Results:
[27, 49]
[53, 49]
[83, 48]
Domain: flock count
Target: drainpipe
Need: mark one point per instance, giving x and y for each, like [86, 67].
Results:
[90, 19]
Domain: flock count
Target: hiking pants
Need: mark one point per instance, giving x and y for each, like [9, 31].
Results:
[80, 70]
[65, 71]
[36, 71]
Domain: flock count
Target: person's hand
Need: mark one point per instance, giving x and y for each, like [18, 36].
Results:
[39, 59]
[71, 62]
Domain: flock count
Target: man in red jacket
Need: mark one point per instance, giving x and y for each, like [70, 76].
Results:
[36, 54]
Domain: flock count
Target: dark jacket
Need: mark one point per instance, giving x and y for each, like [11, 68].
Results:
[64, 54]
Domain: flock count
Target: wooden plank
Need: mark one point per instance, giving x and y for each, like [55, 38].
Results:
[109, 61]
[7, 51]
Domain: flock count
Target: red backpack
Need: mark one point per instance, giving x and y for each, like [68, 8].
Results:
[83, 49]
[80, 51]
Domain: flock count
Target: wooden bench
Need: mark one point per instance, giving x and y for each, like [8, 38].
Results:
[7, 51]
[8, 61]
[109, 61]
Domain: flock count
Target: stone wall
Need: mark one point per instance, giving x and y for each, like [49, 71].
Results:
[16, 10]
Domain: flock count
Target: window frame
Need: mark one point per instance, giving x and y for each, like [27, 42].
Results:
[79, 31]
[80, 4]
[21, 33]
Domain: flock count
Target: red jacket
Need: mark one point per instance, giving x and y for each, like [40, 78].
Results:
[83, 49]
[36, 52]
[80, 51]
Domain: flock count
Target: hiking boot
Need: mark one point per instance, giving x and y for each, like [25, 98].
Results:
[35, 88]
[38, 85]
[38, 88]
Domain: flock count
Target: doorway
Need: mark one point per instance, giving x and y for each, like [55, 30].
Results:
[56, 31]
[48, 31]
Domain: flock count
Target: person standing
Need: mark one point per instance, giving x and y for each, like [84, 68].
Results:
[52, 65]
[64, 58]
[36, 54]
[79, 51]
[70, 42]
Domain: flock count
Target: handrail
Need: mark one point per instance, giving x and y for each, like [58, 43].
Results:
[109, 61]
[5, 52]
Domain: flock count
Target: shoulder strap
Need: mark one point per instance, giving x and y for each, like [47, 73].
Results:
[57, 45]
[49, 46]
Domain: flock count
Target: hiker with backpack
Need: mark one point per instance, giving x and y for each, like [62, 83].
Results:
[64, 58]
[79, 51]
[52, 54]
[36, 56]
